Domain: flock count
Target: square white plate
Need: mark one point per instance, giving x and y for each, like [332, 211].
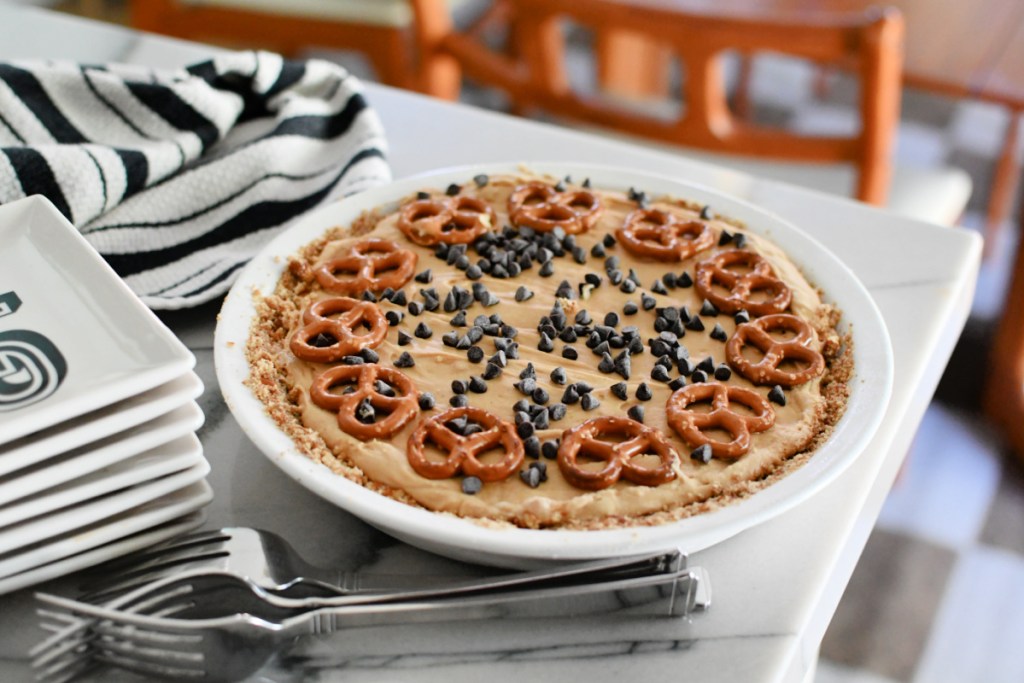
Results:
[73, 337]
[103, 453]
[22, 540]
[99, 424]
[152, 464]
[114, 537]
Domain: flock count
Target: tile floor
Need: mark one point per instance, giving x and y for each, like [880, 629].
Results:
[938, 595]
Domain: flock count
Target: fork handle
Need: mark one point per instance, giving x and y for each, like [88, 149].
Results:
[668, 595]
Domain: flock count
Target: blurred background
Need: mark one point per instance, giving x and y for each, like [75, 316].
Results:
[938, 594]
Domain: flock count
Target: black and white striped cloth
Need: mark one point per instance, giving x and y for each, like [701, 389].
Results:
[178, 177]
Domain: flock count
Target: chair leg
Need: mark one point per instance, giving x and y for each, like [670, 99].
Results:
[392, 60]
[1004, 182]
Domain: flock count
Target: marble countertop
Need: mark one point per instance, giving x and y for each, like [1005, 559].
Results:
[775, 585]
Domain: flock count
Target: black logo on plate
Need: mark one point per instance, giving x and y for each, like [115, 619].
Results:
[31, 368]
[9, 303]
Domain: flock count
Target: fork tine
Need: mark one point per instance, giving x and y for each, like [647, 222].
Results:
[68, 670]
[198, 538]
[149, 669]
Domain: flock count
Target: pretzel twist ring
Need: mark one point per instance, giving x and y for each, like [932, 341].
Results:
[661, 235]
[464, 451]
[371, 265]
[539, 206]
[766, 371]
[452, 220]
[585, 439]
[690, 424]
[742, 286]
[399, 408]
[343, 329]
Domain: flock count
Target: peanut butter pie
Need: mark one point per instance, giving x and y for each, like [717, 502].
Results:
[532, 351]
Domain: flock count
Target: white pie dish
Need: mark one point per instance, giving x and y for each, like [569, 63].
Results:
[463, 539]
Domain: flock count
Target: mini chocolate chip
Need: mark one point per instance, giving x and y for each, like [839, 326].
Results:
[583, 387]
[525, 429]
[422, 195]
[648, 302]
[530, 476]
[475, 354]
[353, 360]
[403, 338]
[477, 385]
[492, 371]
[589, 402]
[426, 400]
[677, 383]
[558, 376]
[473, 272]
[459, 401]
[472, 485]
[568, 335]
[740, 241]
[522, 294]
[636, 412]
[369, 296]
[695, 324]
[570, 353]
[623, 365]
[450, 338]
[522, 416]
[540, 420]
[686, 366]
[741, 316]
[398, 298]
[702, 453]
[415, 308]
[452, 190]
[549, 449]
[365, 412]
[607, 364]
[627, 287]
[615, 277]
[621, 390]
[579, 255]
[723, 372]
[481, 180]
[660, 374]
[531, 446]
[556, 411]
[571, 395]
[540, 396]
[405, 360]
[643, 392]
[541, 467]
[322, 340]
[459, 386]
[547, 269]
[718, 333]
[629, 308]
[707, 365]
[777, 395]
[699, 377]
[708, 308]
[370, 356]
[394, 317]
[528, 371]
[724, 238]
[425, 276]
[659, 287]
[684, 280]
[526, 386]
[597, 250]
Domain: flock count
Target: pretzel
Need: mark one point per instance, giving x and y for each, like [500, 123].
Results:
[690, 424]
[539, 206]
[742, 286]
[371, 265]
[464, 451]
[400, 409]
[452, 220]
[585, 439]
[342, 330]
[766, 371]
[663, 236]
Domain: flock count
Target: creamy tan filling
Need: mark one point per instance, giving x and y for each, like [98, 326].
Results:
[556, 502]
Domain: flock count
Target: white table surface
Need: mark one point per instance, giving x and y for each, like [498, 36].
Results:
[775, 586]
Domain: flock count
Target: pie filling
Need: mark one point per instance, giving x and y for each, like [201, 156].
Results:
[529, 351]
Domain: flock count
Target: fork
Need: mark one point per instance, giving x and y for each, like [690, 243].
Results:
[269, 563]
[262, 557]
[231, 648]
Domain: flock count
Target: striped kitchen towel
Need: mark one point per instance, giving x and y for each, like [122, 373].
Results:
[178, 177]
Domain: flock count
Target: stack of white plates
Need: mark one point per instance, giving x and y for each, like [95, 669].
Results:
[98, 452]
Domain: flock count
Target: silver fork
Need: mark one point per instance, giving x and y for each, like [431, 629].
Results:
[262, 557]
[231, 648]
[269, 563]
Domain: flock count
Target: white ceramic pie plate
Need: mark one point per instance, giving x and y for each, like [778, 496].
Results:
[465, 540]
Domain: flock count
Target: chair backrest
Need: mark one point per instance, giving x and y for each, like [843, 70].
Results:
[533, 74]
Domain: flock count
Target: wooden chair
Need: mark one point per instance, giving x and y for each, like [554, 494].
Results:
[536, 78]
[379, 29]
